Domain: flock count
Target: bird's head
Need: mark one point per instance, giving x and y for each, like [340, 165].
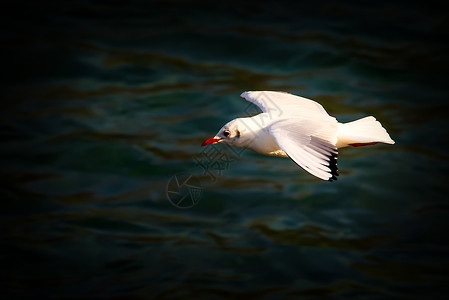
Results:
[233, 133]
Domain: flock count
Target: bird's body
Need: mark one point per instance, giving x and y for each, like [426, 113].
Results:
[257, 137]
[299, 128]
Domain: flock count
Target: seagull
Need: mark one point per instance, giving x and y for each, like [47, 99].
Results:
[299, 128]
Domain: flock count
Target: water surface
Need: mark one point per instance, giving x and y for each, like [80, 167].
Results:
[105, 101]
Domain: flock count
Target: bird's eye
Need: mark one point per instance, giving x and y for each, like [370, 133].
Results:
[226, 133]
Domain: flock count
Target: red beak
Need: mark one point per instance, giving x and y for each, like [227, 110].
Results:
[210, 141]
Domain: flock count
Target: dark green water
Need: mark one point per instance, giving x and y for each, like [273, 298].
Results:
[105, 101]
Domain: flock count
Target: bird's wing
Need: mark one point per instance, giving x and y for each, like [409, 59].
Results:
[310, 144]
[280, 104]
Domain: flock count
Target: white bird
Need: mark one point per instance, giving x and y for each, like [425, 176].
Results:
[299, 128]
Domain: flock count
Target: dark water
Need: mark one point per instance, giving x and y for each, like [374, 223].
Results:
[105, 101]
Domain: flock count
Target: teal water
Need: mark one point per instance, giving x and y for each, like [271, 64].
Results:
[105, 101]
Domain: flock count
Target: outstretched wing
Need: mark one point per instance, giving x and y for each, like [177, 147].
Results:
[280, 104]
[310, 144]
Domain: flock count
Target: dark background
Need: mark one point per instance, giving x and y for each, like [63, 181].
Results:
[105, 101]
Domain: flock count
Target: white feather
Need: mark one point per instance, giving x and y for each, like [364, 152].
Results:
[282, 105]
[365, 130]
[309, 143]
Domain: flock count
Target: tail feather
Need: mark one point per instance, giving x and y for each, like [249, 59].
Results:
[363, 131]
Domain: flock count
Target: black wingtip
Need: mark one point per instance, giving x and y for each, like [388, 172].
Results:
[333, 166]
